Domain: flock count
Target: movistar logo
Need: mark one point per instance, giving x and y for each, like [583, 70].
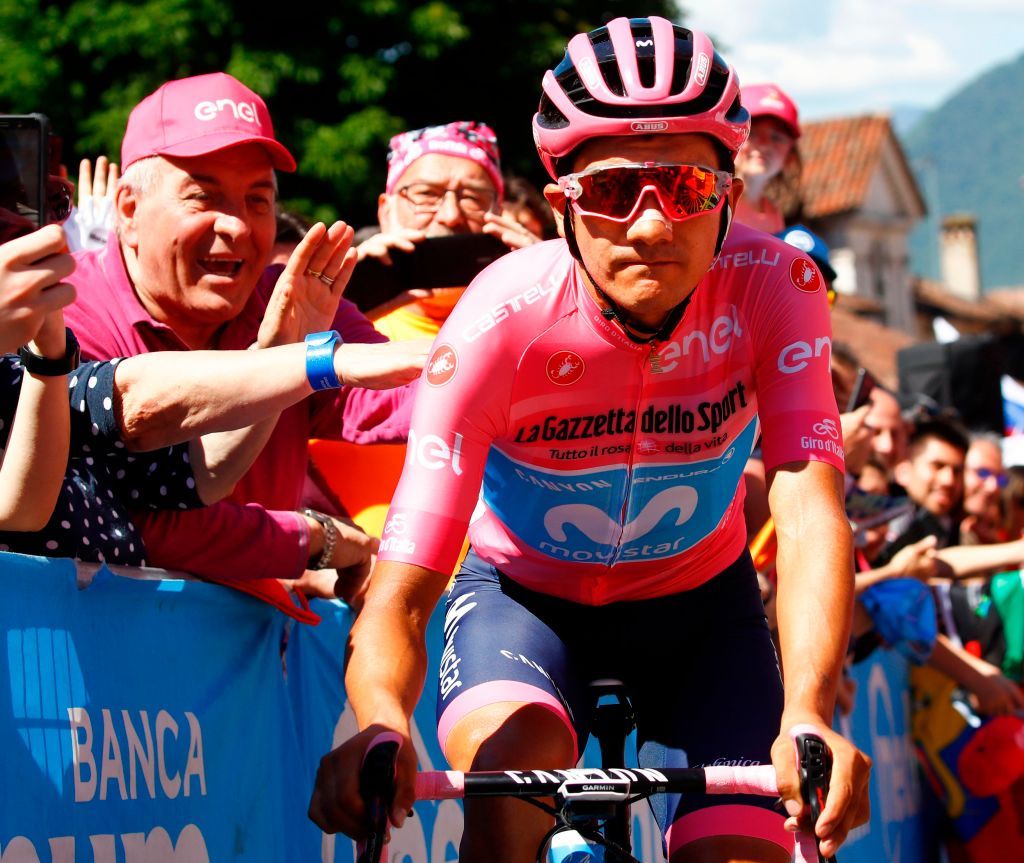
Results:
[598, 526]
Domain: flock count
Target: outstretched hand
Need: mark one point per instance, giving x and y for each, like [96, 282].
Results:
[306, 296]
[381, 366]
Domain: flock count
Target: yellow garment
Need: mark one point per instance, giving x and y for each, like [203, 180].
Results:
[403, 324]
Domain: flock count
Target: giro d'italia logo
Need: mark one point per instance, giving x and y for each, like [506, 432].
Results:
[805, 276]
[565, 367]
[442, 365]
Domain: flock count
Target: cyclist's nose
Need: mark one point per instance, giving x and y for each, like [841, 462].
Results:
[650, 224]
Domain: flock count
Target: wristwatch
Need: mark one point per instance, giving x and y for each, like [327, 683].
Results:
[330, 537]
[46, 367]
[320, 360]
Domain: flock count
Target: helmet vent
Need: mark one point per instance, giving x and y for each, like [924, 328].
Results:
[549, 116]
[606, 61]
[643, 41]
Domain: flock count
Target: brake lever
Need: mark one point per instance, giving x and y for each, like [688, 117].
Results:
[377, 788]
[815, 760]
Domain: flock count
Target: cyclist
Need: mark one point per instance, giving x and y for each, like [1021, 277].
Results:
[606, 389]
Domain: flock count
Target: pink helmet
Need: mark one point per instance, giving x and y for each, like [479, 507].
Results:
[637, 77]
[770, 100]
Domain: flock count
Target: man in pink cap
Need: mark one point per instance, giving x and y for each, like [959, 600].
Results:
[768, 162]
[186, 269]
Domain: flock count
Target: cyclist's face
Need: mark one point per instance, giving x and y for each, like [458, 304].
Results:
[649, 264]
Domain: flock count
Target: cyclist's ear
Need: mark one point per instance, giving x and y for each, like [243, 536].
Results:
[556, 198]
[736, 192]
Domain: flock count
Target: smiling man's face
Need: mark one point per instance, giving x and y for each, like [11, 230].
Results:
[198, 237]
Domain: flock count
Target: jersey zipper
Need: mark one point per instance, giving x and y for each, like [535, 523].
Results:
[654, 359]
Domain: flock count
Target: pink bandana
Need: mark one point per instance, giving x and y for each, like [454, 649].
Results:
[465, 139]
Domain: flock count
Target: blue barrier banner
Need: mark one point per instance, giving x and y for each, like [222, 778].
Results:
[169, 720]
[880, 725]
[142, 721]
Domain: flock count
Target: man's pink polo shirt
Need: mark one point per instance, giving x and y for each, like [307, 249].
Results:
[256, 532]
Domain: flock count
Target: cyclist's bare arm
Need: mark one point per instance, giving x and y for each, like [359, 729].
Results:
[815, 598]
[386, 665]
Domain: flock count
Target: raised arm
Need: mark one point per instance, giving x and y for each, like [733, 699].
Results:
[36, 453]
[815, 601]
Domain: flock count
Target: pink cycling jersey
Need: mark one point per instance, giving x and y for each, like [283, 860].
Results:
[596, 469]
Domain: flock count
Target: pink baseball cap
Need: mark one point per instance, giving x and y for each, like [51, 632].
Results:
[200, 115]
[770, 100]
[465, 139]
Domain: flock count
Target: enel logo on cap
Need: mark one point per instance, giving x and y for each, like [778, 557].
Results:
[208, 110]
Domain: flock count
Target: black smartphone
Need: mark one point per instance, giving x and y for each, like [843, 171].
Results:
[437, 262]
[862, 387]
[24, 173]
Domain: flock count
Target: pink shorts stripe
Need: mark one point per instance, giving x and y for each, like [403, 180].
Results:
[495, 692]
[729, 820]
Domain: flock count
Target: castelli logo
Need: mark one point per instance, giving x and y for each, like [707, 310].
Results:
[443, 364]
[242, 110]
[565, 368]
[650, 126]
[805, 276]
[703, 65]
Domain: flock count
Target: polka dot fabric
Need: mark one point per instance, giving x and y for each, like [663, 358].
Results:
[104, 481]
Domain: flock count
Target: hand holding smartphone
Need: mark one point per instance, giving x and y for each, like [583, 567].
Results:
[437, 262]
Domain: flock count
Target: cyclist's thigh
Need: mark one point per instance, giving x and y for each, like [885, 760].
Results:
[708, 691]
[502, 651]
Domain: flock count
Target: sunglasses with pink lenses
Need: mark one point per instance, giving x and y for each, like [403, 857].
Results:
[615, 192]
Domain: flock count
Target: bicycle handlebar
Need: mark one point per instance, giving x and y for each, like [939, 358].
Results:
[453, 785]
[617, 783]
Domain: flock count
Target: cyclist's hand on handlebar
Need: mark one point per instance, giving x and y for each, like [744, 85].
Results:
[847, 805]
[336, 805]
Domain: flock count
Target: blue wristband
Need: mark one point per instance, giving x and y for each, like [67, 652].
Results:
[320, 360]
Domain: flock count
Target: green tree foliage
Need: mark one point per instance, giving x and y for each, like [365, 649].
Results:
[340, 78]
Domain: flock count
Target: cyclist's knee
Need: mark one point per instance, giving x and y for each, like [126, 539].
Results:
[509, 736]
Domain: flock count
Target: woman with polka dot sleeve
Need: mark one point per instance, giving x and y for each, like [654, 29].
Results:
[103, 481]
